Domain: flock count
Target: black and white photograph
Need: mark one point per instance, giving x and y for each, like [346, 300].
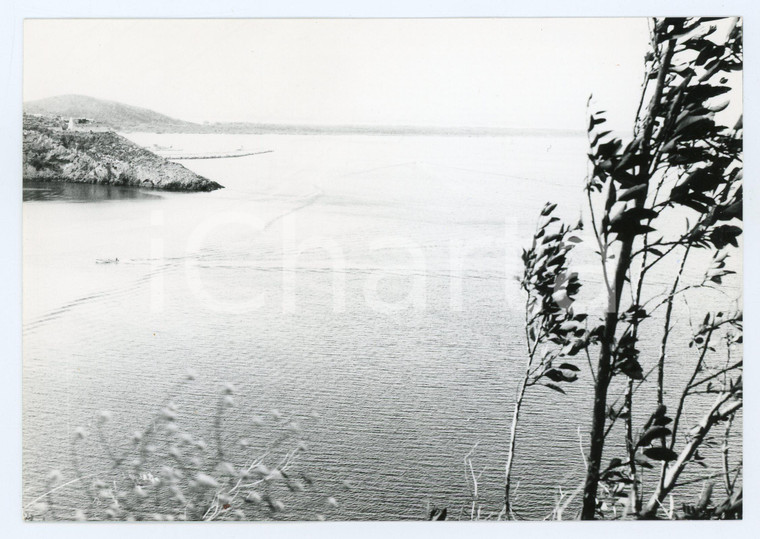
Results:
[382, 269]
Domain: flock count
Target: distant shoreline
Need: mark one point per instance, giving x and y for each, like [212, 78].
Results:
[286, 129]
[94, 113]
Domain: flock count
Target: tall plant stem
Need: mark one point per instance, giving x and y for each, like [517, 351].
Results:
[532, 344]
[666, 330]
[512, 441]
[604, 368]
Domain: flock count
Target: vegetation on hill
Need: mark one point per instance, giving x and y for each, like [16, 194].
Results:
[110, 114]
[52, 153]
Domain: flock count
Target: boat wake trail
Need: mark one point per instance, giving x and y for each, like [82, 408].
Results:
[158, 267]
[306, 202]
[113, 293]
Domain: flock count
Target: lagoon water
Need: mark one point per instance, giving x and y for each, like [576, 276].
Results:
[362, 284]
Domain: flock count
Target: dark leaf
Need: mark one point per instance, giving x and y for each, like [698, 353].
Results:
[557, 375]
[632, 369]
[652, 434]
[627, 179]
[614, 463]
[660, 453]
[595, 120]
[633, 192]
[701, 180]
[437, 514]
[599, 136]
[662, 420]
[548, 209]
[692, 125]
[701, 92]
[554, 387]
[726, 213]
[724, 235]
[607, 150]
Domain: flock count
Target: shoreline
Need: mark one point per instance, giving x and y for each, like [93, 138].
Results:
[53, 152]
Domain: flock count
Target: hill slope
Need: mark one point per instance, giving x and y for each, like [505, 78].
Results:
[126, 118]
[111, 114]
[102, 157]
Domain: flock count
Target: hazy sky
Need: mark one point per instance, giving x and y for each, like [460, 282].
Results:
[467, 72]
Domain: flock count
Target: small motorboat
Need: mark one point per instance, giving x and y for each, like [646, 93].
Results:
[107, 261]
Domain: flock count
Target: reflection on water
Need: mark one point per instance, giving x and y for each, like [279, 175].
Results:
[80, 192]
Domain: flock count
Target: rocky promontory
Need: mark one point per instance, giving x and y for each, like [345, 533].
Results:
[55, 151]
